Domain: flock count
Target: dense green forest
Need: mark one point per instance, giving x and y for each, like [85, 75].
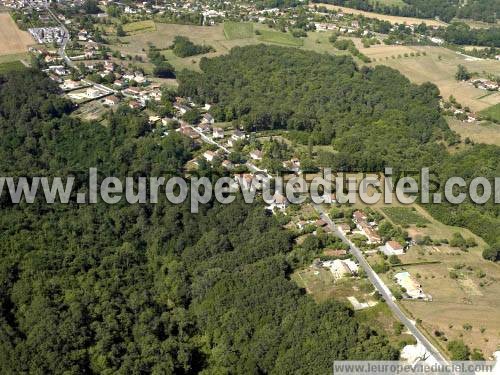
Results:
[373, 117]
[446, 10]
[138, 289]
[462, 34]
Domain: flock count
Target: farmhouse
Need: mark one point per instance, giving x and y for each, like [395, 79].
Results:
[393, 248]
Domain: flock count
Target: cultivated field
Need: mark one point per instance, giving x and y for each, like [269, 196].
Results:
[404, 216]
[139, 27]
[238, 30]
[12, 39]
[493, 112]
[385, 17]
[280, 38]
[486, 132]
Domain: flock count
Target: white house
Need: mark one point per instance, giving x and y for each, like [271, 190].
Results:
[218, 133]
[393, 248]
[209, 155]
[238, 135]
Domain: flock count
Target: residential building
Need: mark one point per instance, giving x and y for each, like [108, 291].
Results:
[393, 248]
[218, 133]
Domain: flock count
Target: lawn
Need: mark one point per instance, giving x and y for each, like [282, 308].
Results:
[492, 112]
[238, 30]
[280, 38]
[139, 27]
[10, 66]
[404, 216]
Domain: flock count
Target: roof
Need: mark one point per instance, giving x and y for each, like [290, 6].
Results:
[395, 245]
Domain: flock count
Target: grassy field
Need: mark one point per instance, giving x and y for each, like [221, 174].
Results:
[163, 36]
[486, 132]
[493, 112]
[10, 66]
[321, 285]
[280, 38]
[14, 57]
[404, 216]
[439, 66]
[12, 39]
[385, 17]
[238, 30]
[471, 298]
[139, 27]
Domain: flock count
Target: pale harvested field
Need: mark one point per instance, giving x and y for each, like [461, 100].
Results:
[470, 299]
[488, 133]
[439, 67]
[385, 17]
[12, 39]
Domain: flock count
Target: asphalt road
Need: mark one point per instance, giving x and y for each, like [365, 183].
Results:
[383, 289]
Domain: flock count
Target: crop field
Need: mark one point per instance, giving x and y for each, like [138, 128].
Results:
[12, 39]
[139, 27]
[238, 30]
[404, 216]
[492, 112]
[484, 132]
[384, 17]
[280, 38]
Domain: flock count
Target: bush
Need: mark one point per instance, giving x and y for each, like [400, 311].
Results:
[458, 350]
